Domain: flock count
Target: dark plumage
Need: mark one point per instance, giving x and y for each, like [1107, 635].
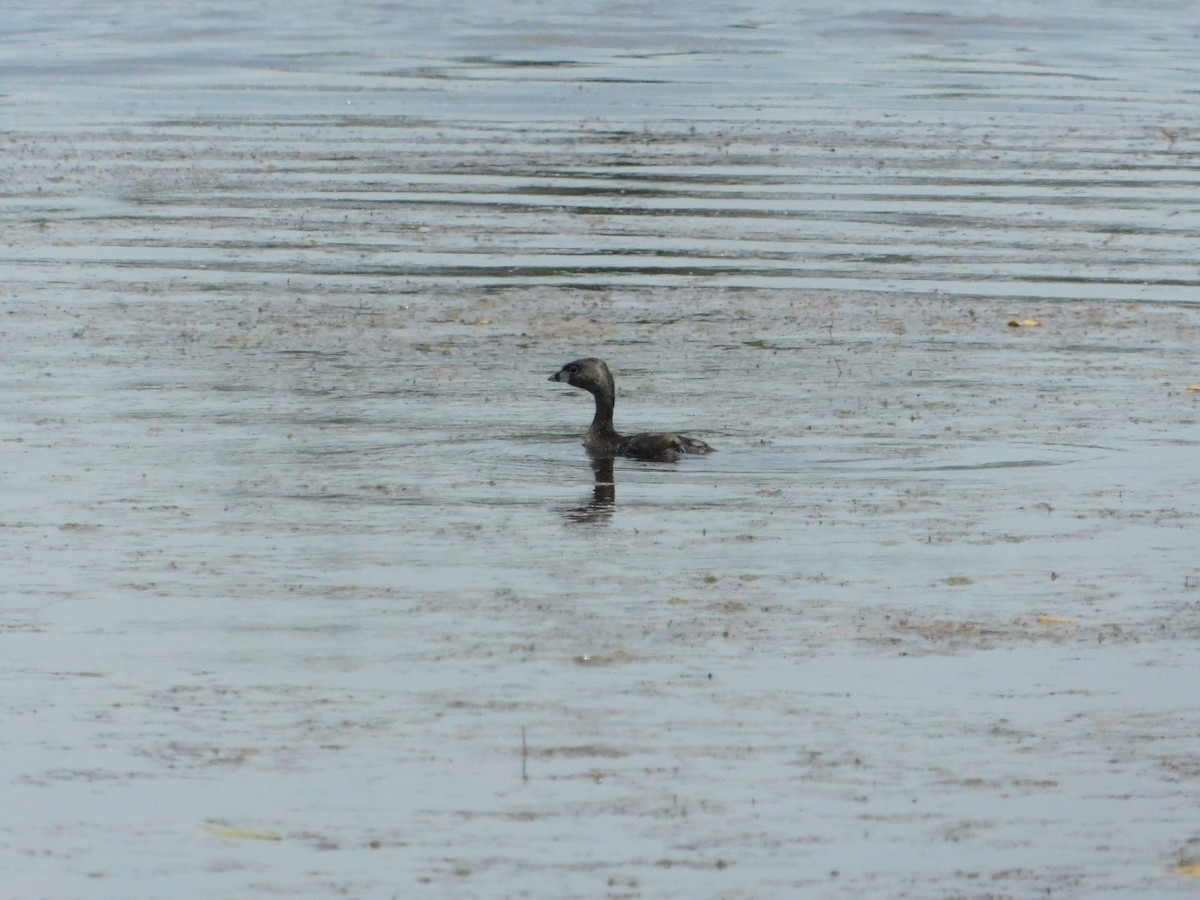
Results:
[602, 439]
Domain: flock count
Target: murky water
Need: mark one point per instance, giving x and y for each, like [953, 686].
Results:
[302, 546]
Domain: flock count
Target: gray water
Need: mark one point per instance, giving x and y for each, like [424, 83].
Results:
[311, 591]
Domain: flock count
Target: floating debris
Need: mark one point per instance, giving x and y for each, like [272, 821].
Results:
[599, 659]
[1054, 620]
[240, 834]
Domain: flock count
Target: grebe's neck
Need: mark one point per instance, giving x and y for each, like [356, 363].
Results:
[602, 422]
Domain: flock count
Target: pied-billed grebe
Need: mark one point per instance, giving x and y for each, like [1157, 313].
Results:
[602, 439]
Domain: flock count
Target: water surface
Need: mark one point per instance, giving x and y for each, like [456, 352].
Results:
[302, 546]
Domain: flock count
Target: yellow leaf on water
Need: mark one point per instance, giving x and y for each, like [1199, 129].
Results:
[1054, 620]
[1193, 388]
[239, 834]
[1024, 323]
[1188, 870]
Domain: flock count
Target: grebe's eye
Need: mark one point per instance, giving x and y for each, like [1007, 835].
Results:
[574, 370]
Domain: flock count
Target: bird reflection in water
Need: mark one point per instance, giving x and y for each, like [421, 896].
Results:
[603, 502]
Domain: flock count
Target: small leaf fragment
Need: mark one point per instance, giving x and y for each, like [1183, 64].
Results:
[1024, 323]
[599, 659]
[240, 834]
[1054, 620]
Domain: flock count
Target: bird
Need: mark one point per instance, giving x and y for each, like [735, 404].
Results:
[602, 439]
